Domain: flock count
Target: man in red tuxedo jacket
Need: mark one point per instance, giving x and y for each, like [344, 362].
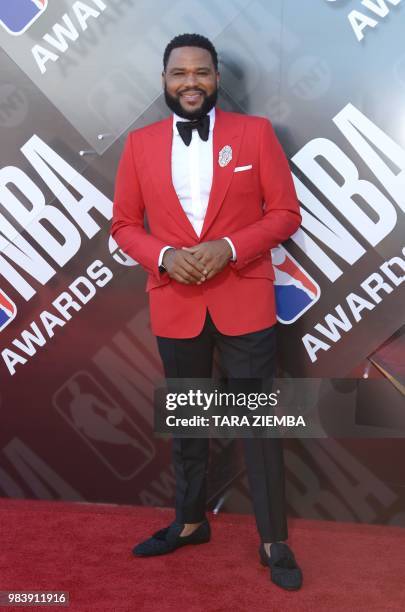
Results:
[218, 195]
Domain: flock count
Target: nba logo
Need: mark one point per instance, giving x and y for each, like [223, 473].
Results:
[16, 16]
[295, 290]
[104, 426]
[8, 310]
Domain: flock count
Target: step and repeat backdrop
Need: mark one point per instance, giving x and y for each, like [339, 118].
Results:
[78, 362]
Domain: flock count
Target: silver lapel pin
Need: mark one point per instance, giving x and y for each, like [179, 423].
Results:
[225, 156]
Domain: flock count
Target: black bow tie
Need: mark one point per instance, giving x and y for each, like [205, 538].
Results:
[202, 125]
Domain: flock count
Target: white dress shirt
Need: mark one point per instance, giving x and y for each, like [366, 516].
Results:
[192, 169]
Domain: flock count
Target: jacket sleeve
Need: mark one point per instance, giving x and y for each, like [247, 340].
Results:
[128, 228]
[281, 213]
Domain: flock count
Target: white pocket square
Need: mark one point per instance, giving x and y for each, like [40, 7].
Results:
[242, 168]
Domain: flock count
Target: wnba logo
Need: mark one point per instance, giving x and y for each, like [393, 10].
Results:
[16, 16]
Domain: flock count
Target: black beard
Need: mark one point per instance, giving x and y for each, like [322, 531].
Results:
[208, 103]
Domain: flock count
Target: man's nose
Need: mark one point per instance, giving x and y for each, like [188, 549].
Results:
[191, 80]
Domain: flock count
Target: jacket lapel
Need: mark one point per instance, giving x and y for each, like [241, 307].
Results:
[227, 131]
[161, 163]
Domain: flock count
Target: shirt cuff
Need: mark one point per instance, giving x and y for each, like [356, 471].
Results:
[229, 241]
[162, 252]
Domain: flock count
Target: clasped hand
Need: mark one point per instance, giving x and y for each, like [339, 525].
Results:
[194, 265]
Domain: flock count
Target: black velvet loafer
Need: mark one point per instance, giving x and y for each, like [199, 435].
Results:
[284, 570]
[167, 540]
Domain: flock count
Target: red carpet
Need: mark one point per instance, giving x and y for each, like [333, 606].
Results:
[85, 549]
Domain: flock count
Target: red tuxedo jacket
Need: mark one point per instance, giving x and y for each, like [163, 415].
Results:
[256, 208]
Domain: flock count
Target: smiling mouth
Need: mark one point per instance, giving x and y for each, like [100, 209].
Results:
[191, 96]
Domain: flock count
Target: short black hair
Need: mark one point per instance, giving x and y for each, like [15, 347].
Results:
[190, 40]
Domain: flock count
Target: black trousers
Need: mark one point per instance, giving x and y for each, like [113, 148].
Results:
[246, 356]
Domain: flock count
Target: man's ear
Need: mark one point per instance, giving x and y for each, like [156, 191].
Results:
[163, 79]
[217, 78]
